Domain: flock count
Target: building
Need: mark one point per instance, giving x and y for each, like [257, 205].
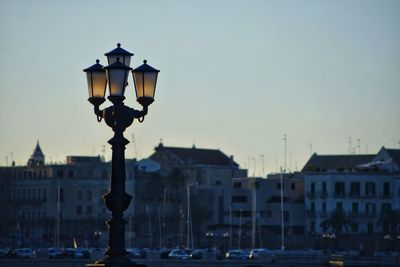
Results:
[361, 185]
[50, 204]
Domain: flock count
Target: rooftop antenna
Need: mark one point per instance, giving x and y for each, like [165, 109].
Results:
[290, 161]
[285, 139]
[359, 146]
[349, 142]
[366, 148]
[254, 167]
[263, 164]
[310, 147]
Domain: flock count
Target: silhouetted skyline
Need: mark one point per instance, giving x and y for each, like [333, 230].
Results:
[235, 75]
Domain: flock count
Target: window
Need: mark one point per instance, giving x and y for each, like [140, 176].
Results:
[312, 188]
[355, 188]
[354, 227]
[286, 216]
[61, 195]
[60, 173]
[71, 174]
[44, 195]
[79, 195]
[292, 186]
[339, 205]
[370, 209]
[89, 195]
[386, 206]
[279, 186]
[269, 213]
[89, 210]
[386, 189]
[354, 208]
[312, 227]
[323, 207]
[370, 228]
[370, 189]
[239, 199]
[237, 185]
[339, 189]
[312, 206]
[79, 210]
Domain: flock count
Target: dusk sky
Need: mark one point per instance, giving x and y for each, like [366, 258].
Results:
[235, 76]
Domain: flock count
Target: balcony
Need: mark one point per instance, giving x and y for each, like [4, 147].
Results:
[354, 195]
[311, 213]
[339, 195]
[30, 202]
[386, 195]
[322, 194]
[370, 195]
[311, 194]
[367, 215]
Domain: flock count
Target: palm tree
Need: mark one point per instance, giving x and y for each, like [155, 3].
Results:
[389, 220]
[337, 221]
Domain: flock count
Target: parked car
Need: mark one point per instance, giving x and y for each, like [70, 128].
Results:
[180, 254]
[55, 253]
[236, 254]
[259, 253]
[197, 254]
[136, 253]
[7, 253]
[25, 253]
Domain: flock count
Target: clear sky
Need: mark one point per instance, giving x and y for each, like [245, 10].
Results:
[235, 75]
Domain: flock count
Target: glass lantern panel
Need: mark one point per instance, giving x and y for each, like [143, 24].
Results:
[145, 83]
[117, 81]
[150, 79]
[97, 82]
[123, 59]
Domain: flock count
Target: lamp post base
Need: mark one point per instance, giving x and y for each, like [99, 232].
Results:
[118, 262]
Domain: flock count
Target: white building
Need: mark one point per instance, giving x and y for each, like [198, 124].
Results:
[361, 185]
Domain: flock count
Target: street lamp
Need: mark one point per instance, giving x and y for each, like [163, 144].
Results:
[325, 236]
[209, 235]
[118, 117]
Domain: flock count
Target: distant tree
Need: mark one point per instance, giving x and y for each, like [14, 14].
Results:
[389, 220]
[176, 178]
[337, 221]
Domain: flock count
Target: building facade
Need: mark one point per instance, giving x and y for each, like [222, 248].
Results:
[363, 186]
[50, 205]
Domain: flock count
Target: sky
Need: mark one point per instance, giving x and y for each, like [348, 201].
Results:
[234, 75]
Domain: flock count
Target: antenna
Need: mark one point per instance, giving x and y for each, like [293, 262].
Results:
[359, 146]
[263, 164]
[290, 161]
[310, 147]
[285, 139]
[366, 148]
[349, 142]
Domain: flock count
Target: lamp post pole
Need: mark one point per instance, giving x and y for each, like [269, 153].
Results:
[118, 117]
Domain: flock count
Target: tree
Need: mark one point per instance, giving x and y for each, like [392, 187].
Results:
[389, 219]
[337, 221]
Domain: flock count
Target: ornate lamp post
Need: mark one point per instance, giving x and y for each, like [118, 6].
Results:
[118, 117]
[209, 235]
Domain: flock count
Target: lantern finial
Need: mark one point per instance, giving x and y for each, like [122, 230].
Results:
[97, 61]
[145, 61]
[119, 44]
